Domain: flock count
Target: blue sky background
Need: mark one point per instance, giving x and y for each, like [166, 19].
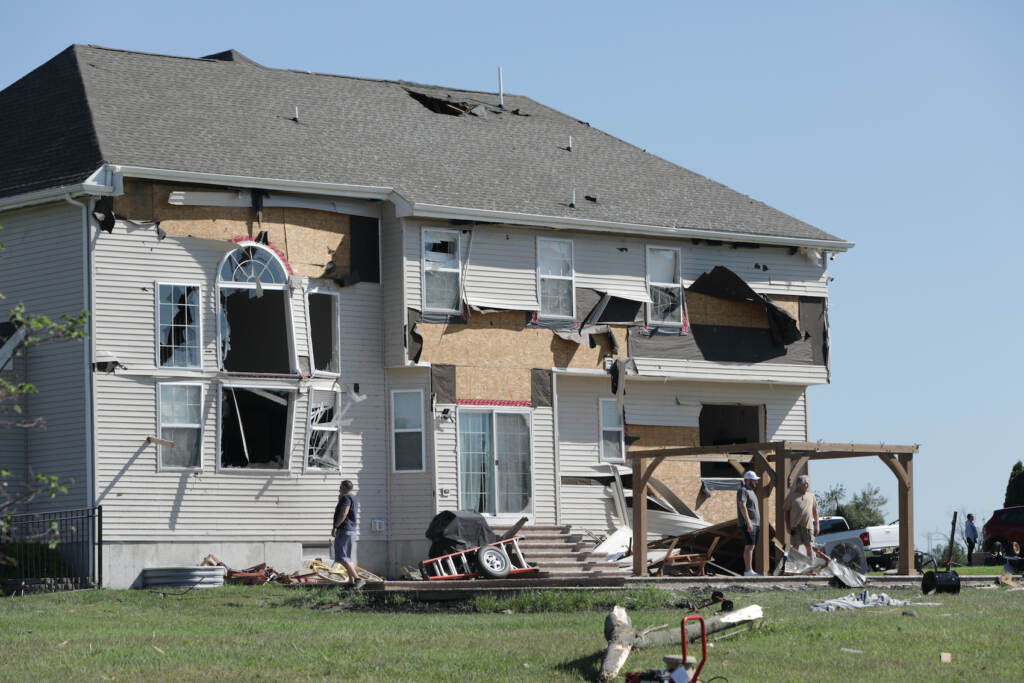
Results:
[896, 126]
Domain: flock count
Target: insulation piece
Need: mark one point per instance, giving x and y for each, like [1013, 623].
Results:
[442, 383]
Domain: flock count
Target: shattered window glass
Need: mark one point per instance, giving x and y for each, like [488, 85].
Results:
[323, 449]
[181, 423]
[323, 331]
[555, 268]
[253, 264]
[407, 418]
[254, 427]
[666, 289]
[611, 430]
[178, 335]
[442, 271]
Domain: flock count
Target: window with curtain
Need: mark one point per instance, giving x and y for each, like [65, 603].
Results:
[180, 415]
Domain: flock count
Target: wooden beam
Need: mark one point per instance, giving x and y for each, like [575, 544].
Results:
[867, 448]
[766, 468]
[648, 471]
[893, 464]
[761, 555]
[739, 448]
[639, 518]
[783, 462]
[906, 500]
[796, 469]
[738, 466]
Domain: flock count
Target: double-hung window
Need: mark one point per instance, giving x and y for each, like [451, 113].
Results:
[612, 434]
[665, 286]
[179, 334]
[442, 271]
[323, 451]
[555, 276]
[407, 431]
[180, 414]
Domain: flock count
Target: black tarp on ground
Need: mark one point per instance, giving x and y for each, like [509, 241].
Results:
[459, 530]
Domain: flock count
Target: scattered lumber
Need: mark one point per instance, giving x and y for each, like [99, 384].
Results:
[623, 638]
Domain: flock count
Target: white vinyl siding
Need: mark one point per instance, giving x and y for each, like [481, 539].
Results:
[501, 269]
[661, 408]
[703, 370]
[446, 457]
[411, 495]
[611, 264]
[768, 270]
[543, 466]
[393, 278]
[42, 265]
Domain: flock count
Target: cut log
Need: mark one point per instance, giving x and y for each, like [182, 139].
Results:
[623, 638]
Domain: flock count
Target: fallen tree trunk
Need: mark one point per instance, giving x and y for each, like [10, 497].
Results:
[623, 638]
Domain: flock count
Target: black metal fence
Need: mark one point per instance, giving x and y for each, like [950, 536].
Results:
[47, 551]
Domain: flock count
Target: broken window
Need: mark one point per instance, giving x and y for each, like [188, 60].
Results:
[665, 287]
[323, 451]
[255, 321]
[407, 430]
[721, 425]
[495, 462]
[555, 271]
[323, 331]
[180, 411]
[612, 437]
[178, 330]
[255, 427]
[442, 271]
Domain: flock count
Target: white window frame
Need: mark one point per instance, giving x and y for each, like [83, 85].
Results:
[156, 324]
[423, 269]
[621, 429]
[231, 284]
[289, 435]
[337, 332]
[160, 425]
[650, 283]
[571, 279]
[422, 430]
[310, 428]
[492, 411]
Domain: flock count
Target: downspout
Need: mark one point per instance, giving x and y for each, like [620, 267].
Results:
[88, 296]
[554, 430]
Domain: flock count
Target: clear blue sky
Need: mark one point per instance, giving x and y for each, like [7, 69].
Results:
[894, 127]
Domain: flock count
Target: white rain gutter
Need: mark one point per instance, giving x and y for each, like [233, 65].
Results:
[405, 208]
[87, 351]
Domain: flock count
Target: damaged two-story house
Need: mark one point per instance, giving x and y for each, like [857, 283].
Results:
[458, 300]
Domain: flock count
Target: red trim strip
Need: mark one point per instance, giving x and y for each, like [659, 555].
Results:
[492, 402]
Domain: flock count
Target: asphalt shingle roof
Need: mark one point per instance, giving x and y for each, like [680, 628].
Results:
[228, 115]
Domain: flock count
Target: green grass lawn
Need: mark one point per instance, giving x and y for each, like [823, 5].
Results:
[274, 633]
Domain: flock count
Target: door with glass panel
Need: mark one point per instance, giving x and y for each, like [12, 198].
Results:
[495, 462]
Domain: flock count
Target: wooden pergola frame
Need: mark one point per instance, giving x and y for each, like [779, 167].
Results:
[777, 463]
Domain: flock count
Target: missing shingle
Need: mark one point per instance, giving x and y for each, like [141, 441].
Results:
[439, 105]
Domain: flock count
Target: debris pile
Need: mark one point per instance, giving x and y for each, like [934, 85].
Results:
[320, 573]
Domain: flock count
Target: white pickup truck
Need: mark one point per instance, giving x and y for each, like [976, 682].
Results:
[881, 543]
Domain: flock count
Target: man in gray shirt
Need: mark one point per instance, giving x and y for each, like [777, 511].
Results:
[749, 519]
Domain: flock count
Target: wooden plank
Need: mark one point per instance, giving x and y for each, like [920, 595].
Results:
[816, 446]
[783, 461]
[906, 511]
[761, 556]
[741, 448]
[639, 518]
[796, 469]
[767, 469]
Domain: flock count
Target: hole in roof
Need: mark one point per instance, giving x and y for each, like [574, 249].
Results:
[440, 105]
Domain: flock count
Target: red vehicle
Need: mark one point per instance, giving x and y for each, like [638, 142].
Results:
[1005, 527]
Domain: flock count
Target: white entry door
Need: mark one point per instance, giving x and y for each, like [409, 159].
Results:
[495, 462]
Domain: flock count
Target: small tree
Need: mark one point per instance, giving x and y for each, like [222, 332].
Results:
[1015, 486]
[829, 501]
[864, 508]
[959, 553]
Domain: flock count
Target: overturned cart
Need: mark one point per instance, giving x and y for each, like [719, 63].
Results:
[464, 547]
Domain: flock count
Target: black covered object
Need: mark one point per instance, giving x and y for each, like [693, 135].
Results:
[459, 530]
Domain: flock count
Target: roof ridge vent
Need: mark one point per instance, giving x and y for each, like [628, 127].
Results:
[233, 56]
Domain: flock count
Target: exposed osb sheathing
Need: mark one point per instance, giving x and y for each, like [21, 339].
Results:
[712, 310]
[309, 239]
[494, 353]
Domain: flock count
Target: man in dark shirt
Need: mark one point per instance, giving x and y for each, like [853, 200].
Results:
[346, 518]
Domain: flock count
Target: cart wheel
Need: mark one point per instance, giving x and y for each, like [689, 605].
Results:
[494, 564]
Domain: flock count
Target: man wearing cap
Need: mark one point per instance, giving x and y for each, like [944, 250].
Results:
[801, 513]
[749, 519]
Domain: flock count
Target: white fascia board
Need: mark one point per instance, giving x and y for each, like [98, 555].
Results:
[282, 185]
[243, 198]
[568, 223]
[697, 377]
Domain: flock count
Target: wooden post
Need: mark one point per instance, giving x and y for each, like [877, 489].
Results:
[639, 517]
[783, 460]
[906, 498]
[761, 561]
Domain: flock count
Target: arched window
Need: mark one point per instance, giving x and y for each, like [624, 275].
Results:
[255, 315]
